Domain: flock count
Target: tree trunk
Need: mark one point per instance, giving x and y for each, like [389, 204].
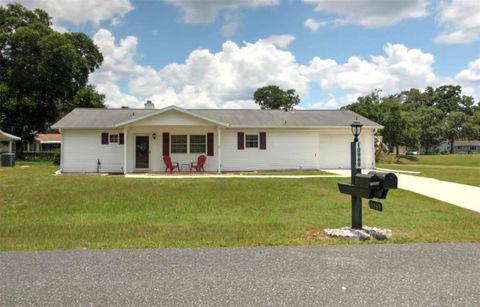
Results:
[451, 145]
[397, 150]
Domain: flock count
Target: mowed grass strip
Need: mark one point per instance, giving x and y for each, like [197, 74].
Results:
[39, 211]
[455, 168]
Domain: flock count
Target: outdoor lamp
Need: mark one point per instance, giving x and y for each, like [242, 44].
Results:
[356, 129]
[154, 136]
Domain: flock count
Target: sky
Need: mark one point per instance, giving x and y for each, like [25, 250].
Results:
[216, 53]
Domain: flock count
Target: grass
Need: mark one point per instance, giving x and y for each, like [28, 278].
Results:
[39, 211]
[456, 168]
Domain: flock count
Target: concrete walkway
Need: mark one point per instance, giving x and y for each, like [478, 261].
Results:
[199, 176]
[462, 195]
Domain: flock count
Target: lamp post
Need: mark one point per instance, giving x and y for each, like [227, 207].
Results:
[355, 167]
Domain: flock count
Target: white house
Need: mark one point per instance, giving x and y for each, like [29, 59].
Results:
[135, 140]
[7, 142]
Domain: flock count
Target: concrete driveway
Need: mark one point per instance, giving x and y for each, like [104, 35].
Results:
[366, 275]
[462, 195]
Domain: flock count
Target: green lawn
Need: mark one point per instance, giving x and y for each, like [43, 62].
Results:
[40, 211]
[456, 168]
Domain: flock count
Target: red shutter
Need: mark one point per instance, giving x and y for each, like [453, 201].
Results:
[240, 140]
[263, 140]
[104, 138]
[210, 144]
[166, 143]
[121, 140]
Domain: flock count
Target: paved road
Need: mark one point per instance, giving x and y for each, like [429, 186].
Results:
[462, 195]
[368, 275]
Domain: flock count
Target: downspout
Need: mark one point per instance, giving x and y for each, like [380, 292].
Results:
[62, 145]
[219, 150]
[125, 142]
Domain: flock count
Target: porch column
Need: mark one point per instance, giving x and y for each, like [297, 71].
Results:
[125, 143]
[219, 149]
[10, 149]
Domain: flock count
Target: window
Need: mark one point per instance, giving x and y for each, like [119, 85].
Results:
[113, 138]
[178, 144]
[251, 140]
[197, 144]
[473, 147]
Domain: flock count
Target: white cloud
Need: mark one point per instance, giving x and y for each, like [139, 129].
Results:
[80, 11]
[400, 69]
[226, 79]
[469, 78]
[232, 21]
[372, 13]
[314, 25]
[229, 77]
[280, 41]
[196, 11]
[461, 20]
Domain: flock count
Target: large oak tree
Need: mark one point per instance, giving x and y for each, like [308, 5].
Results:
[43, 73]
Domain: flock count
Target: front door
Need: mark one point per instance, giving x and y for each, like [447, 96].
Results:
[142, 152]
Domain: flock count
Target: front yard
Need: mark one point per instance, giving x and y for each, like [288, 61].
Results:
[456, 168]
[40, 211]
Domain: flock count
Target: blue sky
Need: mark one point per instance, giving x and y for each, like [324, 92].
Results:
[207, 54]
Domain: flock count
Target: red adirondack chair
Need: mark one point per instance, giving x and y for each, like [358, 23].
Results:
[169, 165]
[199, 165]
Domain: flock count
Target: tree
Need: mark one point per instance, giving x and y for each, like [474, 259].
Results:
[454, 127]
[273, 97]
[449, 98]
[368, 106]
[398, 128]
[430, 122]
[43, 73]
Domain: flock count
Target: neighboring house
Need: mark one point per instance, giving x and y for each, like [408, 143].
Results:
[130, 140]
[44, 142]
[7, 142]
[461, 146]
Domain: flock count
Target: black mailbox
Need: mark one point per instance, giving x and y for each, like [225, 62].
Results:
[371, 185]
[367, 181]
[387, 180]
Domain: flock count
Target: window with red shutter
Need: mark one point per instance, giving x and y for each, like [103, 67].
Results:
[210, 142]
[121, 139]
[240, 140]
[104, 138]
[263, 140]
[166, 143]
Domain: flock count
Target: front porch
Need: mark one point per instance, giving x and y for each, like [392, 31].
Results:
[182, 136]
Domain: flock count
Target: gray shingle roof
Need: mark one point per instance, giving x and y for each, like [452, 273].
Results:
[108, 118]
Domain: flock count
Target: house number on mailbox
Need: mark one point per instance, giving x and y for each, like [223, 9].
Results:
[375, 205]
[358, 158]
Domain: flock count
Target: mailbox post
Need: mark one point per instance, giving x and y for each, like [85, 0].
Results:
[355, 166]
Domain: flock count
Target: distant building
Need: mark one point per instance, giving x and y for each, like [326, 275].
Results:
[461, 146]
[44, 142]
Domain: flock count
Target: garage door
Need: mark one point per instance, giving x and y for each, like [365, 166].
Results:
[334, 151]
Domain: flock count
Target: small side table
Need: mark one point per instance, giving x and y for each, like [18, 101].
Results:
[186, 165]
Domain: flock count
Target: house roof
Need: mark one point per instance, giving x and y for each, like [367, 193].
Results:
[467, 143]
[49, 138]
[7, 137]
[238, 118]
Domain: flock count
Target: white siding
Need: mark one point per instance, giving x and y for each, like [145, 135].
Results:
[83, 148]
[286, 149]
[172, 118]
